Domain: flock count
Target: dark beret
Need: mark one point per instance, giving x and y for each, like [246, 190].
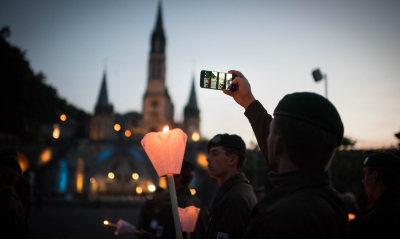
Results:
[10, 162]
[226, 140]
[314, 109]
[382, 160]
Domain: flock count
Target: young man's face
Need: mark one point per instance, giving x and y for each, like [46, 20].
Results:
[218, 162]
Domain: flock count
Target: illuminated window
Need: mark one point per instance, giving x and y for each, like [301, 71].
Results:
[163, 182]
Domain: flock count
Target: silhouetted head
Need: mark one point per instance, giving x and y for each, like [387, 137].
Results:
[309, 126]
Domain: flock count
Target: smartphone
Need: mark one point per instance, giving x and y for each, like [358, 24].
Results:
[217, 80]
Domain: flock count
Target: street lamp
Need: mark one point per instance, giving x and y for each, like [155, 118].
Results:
[318, 76]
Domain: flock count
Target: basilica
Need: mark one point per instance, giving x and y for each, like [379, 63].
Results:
[111, 160]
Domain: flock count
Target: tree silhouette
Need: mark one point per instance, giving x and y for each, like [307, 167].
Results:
[347, 142]
[26, 102]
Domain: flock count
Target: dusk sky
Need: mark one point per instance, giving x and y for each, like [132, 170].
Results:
[275, 44]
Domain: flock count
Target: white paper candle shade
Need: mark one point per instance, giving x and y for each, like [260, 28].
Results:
[188, 218]
[165, 150]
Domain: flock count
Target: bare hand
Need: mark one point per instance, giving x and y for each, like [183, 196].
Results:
[242, 95]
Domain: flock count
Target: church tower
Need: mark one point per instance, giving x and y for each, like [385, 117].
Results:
[101, 125]
[158, 109]
[191, 117]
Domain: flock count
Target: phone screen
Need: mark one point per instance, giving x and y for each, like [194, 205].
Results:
[217, 80]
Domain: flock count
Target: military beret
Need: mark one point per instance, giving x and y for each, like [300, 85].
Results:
[10, 162]
[226, 140]
[382, 160]
[314, 109]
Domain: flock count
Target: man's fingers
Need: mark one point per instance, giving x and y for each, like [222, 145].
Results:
[238, 73]
[227, 92]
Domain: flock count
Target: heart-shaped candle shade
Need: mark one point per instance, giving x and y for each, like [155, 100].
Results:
[188, 218]
[165, 150]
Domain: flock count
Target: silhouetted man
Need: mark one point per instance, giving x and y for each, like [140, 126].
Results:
[382, 185]
[165, 228]
[235, 198]
[299, 144]
[13, 221]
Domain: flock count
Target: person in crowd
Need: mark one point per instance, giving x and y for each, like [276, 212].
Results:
[298, 144]
[234, 200]
[165, 227]
[22, 187]
[151, 210]
[354, 213]
[13, 220]
[382, 185]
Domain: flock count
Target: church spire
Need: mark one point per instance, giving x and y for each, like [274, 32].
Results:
[158, 37]
[103, 105]
[191, 109]
[103, 96]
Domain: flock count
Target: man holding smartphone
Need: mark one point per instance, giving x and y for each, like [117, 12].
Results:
[299, 144]
[230, 211]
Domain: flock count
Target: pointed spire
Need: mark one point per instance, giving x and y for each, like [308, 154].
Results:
[191, 110]
[192, 104]
[158, 37]
[103, 96]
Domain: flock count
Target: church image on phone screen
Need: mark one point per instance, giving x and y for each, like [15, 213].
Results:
[214, 80]
[207, 77]
[221, 80]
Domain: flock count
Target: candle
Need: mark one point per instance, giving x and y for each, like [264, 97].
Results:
[166, 150]
[109, 224]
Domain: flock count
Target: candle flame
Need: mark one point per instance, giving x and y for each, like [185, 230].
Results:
[166, 129]
[105, 222]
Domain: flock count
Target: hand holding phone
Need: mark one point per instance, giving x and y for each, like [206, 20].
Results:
[217, 80]
[243, 96]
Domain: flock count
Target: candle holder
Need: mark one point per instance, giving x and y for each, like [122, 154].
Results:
[166, 150]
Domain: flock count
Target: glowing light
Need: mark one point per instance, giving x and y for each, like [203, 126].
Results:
[135, 176]
[152, 188]
[111, 175]
[79, 175]
[195, 136]
[128, 133]
[45, 156]
[56, 131]
[166, 129]
[139, 190]
[351, 217]
[117, 127]
[163, 182]
[63, 117]
[92, 180]
[105, 222]
[23, 161]
[193, 191]
[202, 160]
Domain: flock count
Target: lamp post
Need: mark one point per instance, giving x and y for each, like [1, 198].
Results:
[166, 150]
[317, 75]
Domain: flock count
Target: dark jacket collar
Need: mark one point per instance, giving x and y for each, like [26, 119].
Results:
[286, 183]
[389, 193]
[235, 179]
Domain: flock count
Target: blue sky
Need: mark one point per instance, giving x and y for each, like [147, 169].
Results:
[276, 44]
